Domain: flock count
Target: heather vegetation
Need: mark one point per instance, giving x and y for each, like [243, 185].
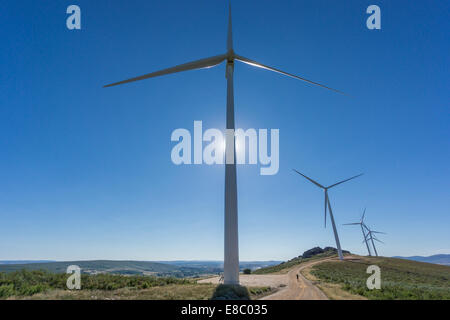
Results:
[400, 279]
[27, 283]
[40, 284]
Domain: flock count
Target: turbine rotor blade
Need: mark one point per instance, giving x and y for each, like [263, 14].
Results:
[364, 213]
[326, 200]
[230, 31]
[370, 239]
[351, 224]
[260, 65]
[316, 183]
[378, 232]
[198, 64]
[333, 185]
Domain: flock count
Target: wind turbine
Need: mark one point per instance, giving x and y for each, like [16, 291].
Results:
[327, 203]
[361, 223]
[231, 254]
[370, 236]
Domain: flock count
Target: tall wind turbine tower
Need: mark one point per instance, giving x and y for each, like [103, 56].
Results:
[370, 236]
[362, 225]
[231, 252]
[327, 204]
[231, 242]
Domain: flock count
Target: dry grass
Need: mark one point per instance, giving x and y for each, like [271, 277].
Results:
[400, 279]
[168, 292]
[331, 290]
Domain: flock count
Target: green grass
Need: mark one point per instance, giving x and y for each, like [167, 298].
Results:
[400, 279]
[27, 283]
[167, 292]
[40, 284]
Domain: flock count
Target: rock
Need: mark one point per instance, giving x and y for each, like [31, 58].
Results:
[318, 250]
[312, 252]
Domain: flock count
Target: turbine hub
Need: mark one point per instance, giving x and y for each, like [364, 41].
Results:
[230, 56]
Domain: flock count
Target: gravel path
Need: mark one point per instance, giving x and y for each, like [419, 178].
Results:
[290, 287]
[256, 280]
[299, 288]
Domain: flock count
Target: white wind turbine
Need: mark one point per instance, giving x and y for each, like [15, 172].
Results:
[231, 255]
[370, 236]
[361, 223]
[327, 203]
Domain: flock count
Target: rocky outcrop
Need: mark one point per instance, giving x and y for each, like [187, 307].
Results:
[318, 250]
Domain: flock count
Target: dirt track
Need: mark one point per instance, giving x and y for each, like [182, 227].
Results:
[299, 289]
[290, 288]
[253, 280]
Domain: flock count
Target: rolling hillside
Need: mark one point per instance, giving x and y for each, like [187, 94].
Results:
[400, 279]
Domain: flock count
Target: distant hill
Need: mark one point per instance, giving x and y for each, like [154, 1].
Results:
[177, 269]
[219, 264]
[107, 266]
[23, 261]
[443, 259]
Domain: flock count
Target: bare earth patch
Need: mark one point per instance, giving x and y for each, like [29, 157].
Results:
[250, 280]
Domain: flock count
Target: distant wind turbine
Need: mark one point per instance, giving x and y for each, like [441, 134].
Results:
[361, 223]
[327, 203]
[370, 236]
[231, 256]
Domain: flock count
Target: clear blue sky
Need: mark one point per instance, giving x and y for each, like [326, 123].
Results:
[85, 172]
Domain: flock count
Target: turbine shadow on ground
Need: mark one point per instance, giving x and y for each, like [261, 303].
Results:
[230, 292]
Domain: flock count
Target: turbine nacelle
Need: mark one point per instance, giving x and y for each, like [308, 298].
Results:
[230, 56]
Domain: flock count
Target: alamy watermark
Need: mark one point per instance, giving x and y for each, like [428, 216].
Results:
[74, 281]
[374, 281]
[219, 148]
[374, 20]
[73, 22]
